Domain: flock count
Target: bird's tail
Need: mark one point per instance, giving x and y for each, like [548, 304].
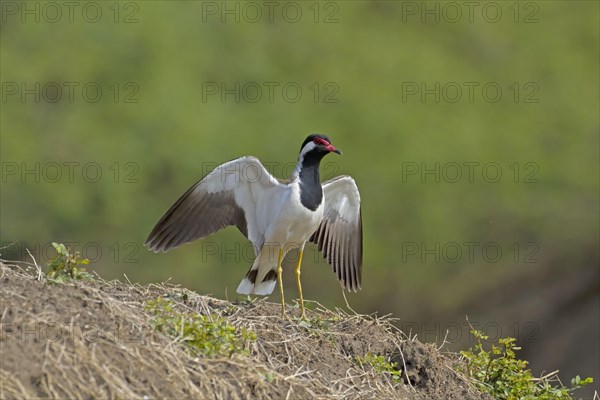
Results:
[262, 277]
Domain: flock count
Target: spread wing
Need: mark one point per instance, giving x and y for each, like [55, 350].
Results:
[226, 196]
[339, 236]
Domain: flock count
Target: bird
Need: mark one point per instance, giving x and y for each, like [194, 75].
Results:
[275, 215]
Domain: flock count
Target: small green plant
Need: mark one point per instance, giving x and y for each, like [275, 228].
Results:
[320, 323]
[381, 365]
[498, 372]
[269, 376]
[66, 266]
[209, 335]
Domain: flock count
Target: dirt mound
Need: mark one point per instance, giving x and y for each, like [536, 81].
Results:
[96, 339]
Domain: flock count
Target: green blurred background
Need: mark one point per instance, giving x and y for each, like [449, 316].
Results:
[111, 110]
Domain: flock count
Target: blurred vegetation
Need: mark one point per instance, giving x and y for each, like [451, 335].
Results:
[500, 373]
[164, 131]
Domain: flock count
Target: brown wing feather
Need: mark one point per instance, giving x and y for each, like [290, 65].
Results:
[226, 196]
[340, 238]
[195, 215]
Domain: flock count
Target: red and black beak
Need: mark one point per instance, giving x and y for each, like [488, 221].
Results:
[333, 149]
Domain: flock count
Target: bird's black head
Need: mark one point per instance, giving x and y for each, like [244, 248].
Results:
[321, 143]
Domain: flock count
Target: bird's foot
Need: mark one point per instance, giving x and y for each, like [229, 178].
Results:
[300, 304]
[302, 313]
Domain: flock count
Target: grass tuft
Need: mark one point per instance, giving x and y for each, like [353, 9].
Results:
[66, 266]
[209, 335]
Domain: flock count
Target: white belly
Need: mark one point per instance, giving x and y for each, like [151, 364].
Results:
[294, 224]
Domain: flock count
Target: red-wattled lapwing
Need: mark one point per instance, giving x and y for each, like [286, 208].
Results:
[275, 215]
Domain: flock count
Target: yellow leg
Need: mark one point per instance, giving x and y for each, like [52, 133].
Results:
[279, 271]
[298, 281]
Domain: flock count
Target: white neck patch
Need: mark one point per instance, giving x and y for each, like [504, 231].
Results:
[307, 147]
